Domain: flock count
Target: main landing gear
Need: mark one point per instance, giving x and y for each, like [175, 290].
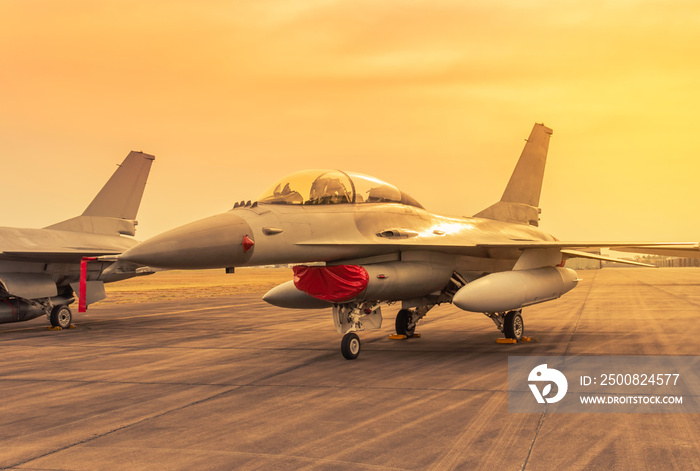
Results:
[405, 325]
[513, 326]
[407, 319]
[510, 323]
[60, 316]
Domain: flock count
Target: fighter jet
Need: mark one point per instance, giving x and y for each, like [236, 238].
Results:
[357, 242]
[40, 268]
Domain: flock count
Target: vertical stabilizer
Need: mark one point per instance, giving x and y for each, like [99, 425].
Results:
[521, 199]
[121, 195]
[114, 209]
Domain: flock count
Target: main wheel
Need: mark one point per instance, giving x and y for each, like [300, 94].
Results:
[61, 317]
[513, 325]
[350, 346]
[403, 318]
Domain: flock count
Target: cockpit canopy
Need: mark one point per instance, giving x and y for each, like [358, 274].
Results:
[312, 187]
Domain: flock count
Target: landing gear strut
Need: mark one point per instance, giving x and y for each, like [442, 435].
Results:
[355, 317]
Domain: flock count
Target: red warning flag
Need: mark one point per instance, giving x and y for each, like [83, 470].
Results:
[82, 288]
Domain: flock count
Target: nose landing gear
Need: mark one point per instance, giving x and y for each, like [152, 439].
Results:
[350, 346]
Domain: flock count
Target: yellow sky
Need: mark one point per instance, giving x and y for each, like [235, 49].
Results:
[435, 97]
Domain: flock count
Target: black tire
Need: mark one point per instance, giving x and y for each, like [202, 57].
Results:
[513, 325]
[61, 317]
[350, 346]
[403, 317]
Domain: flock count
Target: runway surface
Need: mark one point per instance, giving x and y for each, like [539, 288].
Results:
[231, 382]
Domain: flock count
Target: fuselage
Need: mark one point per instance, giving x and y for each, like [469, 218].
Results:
[334, 234]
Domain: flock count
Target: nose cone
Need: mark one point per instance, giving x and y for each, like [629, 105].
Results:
[224, 240]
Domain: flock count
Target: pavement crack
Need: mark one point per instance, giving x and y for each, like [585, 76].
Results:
[578, 318]
[543, 416]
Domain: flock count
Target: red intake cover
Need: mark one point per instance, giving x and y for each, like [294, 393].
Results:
[336, 284]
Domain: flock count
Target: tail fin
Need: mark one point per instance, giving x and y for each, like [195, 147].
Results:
[114, 209]
[521, 199]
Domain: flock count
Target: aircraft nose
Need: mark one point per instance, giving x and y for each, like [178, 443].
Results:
[224, 240]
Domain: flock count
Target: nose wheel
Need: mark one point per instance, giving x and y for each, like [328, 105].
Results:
[350, 346]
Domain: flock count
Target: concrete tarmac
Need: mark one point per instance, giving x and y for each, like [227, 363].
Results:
[234, 383]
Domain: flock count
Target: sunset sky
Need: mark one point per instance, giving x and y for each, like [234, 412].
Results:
[435, 97]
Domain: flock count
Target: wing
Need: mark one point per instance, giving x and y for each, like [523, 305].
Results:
[49, 246]
[450, 245]
[592, 256]
[55, 255]
[687, 250]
